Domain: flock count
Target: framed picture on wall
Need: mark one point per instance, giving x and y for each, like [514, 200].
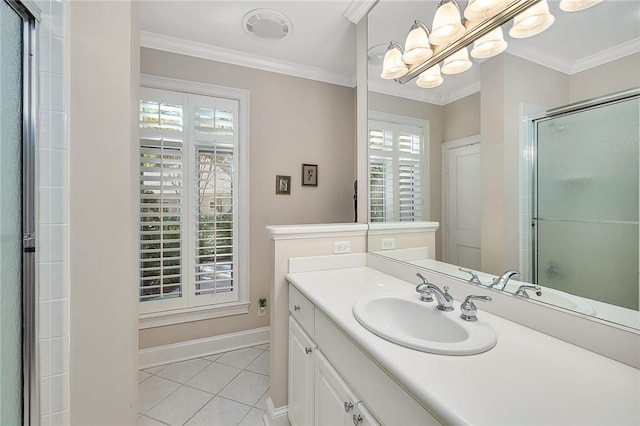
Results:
[310, 175]
[283, 185]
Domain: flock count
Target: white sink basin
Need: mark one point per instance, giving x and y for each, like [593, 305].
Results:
[405, 320]
[563, 300]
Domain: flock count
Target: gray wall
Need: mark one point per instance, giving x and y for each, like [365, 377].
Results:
[292, 121]
[104, 78]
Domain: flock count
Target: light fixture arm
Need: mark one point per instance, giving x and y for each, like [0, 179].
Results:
[514, 8]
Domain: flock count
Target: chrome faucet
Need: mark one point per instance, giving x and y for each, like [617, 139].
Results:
[522, 290]
[501, 282]
[423, 289]
[474, 277]
[445, 301]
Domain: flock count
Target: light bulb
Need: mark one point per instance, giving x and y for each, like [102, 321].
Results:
[447, 25]
[430, 78]
[576, 5]
[532, 21]
[416, 47]
[457, 63]
[490, 44]
[479, 10]
[392, 65]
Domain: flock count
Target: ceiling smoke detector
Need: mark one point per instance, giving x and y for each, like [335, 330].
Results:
[266, 24]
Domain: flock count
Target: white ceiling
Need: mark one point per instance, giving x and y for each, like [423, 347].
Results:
[321, 44]
[322, 41]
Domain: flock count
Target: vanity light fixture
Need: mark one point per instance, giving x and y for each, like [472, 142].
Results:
[417, 47]
[457, 63]
[430, 78]
[532, 21]
[392, 65]
[449, 38]
[576, 5]
[447, 24]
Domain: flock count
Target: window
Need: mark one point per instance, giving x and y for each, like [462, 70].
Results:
[193, 200]
[397, 178]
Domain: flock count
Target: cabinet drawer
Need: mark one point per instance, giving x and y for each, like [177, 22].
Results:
[301, 309]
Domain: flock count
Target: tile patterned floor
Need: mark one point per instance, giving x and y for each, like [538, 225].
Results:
[226, 389]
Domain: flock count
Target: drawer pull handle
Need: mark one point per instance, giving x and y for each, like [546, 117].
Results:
[308, 350]
[348, 406]
[357, 419]
[296, 308]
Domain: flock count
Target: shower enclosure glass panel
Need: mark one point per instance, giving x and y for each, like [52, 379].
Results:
[11, 95]
[587, 202]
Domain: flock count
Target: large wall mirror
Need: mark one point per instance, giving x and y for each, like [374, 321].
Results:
[529, 160]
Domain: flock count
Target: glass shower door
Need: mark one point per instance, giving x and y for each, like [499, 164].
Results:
[587, 202]
[11, 96]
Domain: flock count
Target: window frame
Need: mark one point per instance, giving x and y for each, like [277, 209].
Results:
[178, 313]
[403, 121]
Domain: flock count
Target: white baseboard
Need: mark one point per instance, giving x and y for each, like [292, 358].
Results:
[159, 355]
[276, 416]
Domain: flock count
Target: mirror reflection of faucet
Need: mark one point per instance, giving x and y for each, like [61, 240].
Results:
[474, 277]
[522, 290]
[501, 282]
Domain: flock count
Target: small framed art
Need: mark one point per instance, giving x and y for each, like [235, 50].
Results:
[283, 185]
[310, 175]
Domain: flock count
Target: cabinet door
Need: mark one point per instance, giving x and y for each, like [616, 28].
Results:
[363, 417]
[301, 349]
[334, 402]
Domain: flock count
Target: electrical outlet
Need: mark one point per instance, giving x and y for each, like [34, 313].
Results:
[341, 247]
[388, 243]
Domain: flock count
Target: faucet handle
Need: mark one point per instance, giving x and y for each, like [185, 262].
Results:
[469, 310]
[522, 290]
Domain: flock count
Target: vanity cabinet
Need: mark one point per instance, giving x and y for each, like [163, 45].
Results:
[318, 395]
[334, 402]
[301, 371]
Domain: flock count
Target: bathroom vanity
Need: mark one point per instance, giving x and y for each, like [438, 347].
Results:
[341, 373]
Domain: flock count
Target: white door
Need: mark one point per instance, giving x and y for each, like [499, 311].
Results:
[462, 202]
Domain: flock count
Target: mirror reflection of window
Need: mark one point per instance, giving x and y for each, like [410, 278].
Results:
[396, 170]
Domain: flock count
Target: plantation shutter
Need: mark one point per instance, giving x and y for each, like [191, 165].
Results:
[395, 172]
[161, 197]
[381, 189]
[215, 216]
[409, 176]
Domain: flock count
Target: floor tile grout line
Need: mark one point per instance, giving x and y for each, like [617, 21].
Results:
[182, 383]
[201, 390]
[198, 410]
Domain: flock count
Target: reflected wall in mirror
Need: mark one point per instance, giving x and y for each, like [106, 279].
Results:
[485, 110]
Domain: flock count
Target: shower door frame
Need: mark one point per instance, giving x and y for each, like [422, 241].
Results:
[532, 124]
[30, 14]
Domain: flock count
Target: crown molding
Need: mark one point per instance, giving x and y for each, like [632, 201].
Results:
[540, 56]
[620, 51]
[357, 9]
[423, 95]
[549, 60]
[233, 57]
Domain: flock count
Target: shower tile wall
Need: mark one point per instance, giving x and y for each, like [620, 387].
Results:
[53, 213]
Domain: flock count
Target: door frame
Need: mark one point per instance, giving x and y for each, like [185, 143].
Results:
[30, 14]
[446, 146]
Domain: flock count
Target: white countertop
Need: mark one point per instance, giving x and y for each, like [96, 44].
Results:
[527, 378]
